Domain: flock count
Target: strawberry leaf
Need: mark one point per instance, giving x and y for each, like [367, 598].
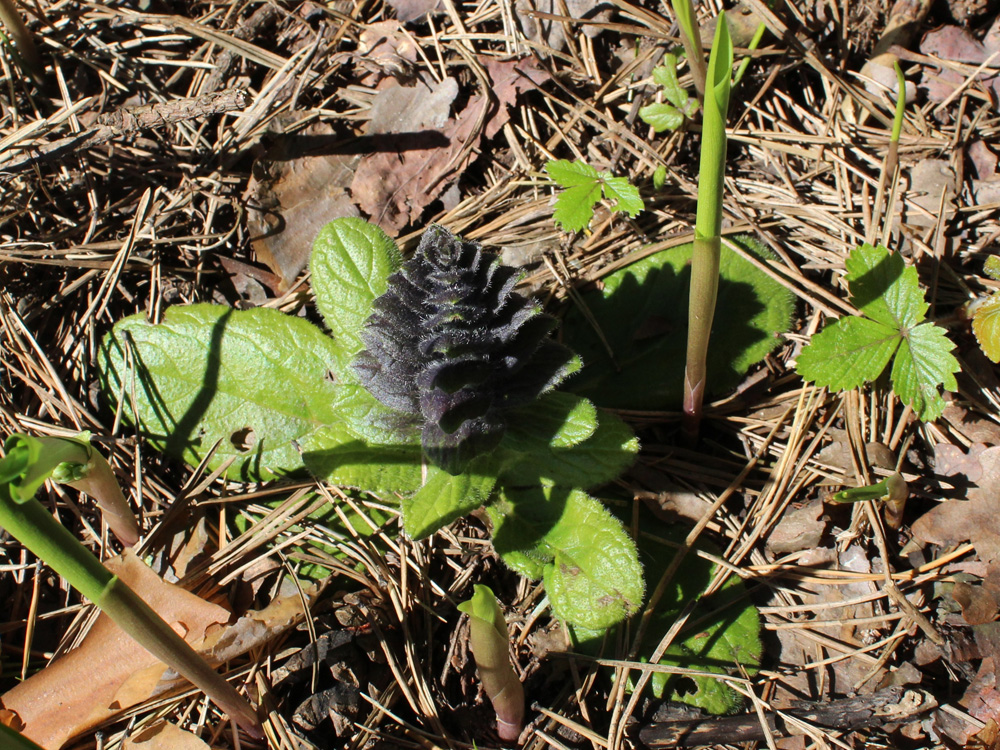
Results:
[855, 350]
[986, 326]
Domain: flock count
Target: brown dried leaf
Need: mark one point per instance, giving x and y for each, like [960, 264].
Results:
[384, 48]
[395, 186]
[411, 10]
[110, 672]
[296, 189]
[509, 79]
[974, 520]
[552, 32]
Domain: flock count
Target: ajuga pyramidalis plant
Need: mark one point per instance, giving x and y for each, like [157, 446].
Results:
[452, 347]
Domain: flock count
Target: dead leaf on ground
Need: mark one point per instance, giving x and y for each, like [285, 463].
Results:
[974, 520]
[384, 48]
[110, 672]
[164, 736]
[801, 527]
[296, 188]
[958, 45]
[411, 10]
[552, 32]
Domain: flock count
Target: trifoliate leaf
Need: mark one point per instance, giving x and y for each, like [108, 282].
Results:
[584, 186]
[986, 326]
[855, 350]
[666, 76]
[661, 116]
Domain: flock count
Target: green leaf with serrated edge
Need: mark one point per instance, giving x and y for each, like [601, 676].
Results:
[624, 194]
[923, 364]
[350, 264]
[848, 353]
[557, 419]
[854, 350]
[571, 173]
[642, 311]
[722, 634]
[986, 326]
[992, 267]
[529, 460]
[575, 206]
[661, 116]
[591, 572]
[884, 288]
[445, 497]
[256, 380]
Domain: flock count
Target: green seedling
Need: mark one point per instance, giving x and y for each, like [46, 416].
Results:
[662, 116]
[893, 491]
[986, 315]
[584, 188]
[73, 461]
[437, 385]
[708, 225]
[490, 644]
[11, 739]
[857, 349]
[21, 474]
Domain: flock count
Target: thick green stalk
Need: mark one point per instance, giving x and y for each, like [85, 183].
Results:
[490, 645]
[37, 530]
[708, 225]
[687, 19]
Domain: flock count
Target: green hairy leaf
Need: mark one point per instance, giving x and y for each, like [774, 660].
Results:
[589, 563]
[445, 497]
[854, 350]
[986, 326]
[661, 116]
[584, 187]
[350, 264]
[642, 312]
[257, 382]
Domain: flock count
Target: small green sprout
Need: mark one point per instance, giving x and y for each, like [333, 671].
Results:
[490, 644]
[584, 188]
[662, 116]
[22, 472]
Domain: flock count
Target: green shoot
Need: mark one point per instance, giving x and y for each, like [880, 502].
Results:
[490, 644]
[584, 188]
[745, 62]
[708, 225]
[661, 116]
[30, 523]
[73, 461]
[892, 326]
[687, 19]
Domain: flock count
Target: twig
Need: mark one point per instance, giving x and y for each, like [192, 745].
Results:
[132, 119]
[891, 705]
